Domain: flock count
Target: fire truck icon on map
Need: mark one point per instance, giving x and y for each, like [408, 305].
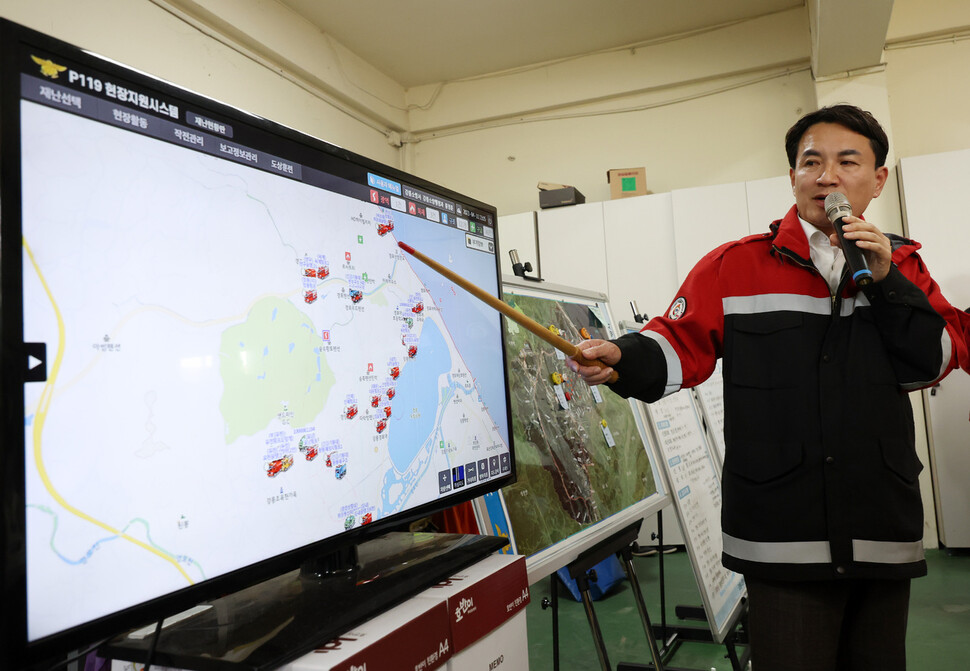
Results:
[395, 372]
[418, 308]
[309, 451]
[355, 295]
[278, 466]
[351, 411]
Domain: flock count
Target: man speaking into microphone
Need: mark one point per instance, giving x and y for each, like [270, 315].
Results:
[821, 508]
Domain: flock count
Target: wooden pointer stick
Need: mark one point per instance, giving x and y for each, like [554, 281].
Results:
[561, 344]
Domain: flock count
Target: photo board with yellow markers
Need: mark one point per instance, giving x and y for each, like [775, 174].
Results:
[585, 464]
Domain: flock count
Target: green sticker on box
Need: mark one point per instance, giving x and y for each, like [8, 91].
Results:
[628, 184]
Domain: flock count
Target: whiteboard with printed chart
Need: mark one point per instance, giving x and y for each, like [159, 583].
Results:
[693, 475]
[585, 465]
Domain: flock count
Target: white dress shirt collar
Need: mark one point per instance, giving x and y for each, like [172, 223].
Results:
[828, 259]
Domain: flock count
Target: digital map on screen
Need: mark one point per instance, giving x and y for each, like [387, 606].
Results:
[238, 364]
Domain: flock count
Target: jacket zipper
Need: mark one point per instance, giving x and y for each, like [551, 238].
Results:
[797, 260]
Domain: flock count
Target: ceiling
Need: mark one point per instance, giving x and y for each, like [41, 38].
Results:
[432, 41]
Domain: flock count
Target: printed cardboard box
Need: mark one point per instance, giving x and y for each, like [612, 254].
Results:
[626, 182]
[486, 609]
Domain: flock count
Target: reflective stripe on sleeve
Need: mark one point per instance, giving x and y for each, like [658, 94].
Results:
[947, 347]
[675, 374]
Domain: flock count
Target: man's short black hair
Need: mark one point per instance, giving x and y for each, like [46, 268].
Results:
[850, 116]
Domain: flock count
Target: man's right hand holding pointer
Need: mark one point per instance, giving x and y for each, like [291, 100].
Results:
[603, 350]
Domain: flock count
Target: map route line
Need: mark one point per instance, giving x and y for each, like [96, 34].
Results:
[40, 416]
[247, 192]
[97, 543]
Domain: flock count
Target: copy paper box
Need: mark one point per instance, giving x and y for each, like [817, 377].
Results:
[626, 182]
[504, 649]
[485, 602]
[413, 636]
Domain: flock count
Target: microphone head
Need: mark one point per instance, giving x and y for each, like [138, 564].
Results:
[837, 206]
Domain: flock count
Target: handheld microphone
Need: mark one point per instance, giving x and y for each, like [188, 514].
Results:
[837, 207]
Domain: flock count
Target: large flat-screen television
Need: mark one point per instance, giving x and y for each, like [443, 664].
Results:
[217, 363]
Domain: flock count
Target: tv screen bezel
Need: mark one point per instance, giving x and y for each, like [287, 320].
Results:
[301, 147]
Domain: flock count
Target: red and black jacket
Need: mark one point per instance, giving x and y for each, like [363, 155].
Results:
[820, 470]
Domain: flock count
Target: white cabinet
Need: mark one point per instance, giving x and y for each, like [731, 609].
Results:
[572, 246]
[705, 217]
[935, 215]
[640, 262]
[768, 199]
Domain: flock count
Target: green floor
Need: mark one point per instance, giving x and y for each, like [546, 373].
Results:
[938, 638]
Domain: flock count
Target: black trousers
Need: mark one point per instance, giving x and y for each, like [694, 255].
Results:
[843, 625]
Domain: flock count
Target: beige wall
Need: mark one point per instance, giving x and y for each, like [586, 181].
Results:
[928, 49]
[727, 137]
[929, 95]
[704, 109]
